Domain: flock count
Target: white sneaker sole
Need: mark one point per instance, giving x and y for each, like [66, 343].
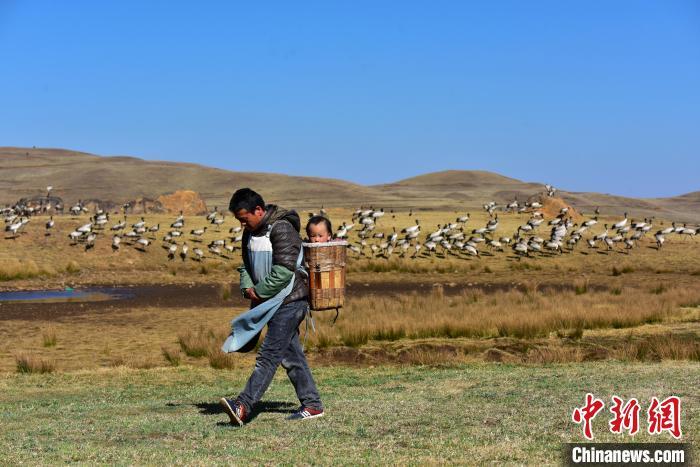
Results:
[231, 413]
[309, 417]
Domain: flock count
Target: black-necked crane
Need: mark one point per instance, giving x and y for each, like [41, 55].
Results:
[121, 225]
[590, 222]
[470, 250]
[90, 241]
[14, 228]
[411, 229]
[154, 229]
[142, 243]
[199, 254]
[75, 236]
[218, 222]
[49, 225]
[521, 247]
[116, 240]
[660, 239]
[198, 232]
[602, 236]
[620, 224]
[85, 228]
[172, 249]
[183, 251]
[212, 215]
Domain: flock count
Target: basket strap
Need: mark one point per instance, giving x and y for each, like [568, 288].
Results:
[309, 317]
[337, 313]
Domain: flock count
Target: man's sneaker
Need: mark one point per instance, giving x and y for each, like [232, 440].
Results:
[305, 413]
[235, 410]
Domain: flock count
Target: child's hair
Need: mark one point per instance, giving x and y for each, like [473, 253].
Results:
[315, 220]
[247, 199]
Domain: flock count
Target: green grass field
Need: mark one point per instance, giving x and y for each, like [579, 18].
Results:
[475, 414]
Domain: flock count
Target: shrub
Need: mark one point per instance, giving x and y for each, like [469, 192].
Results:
[220, 360]
[49, 337]
[12, 269]
[32, 364]
[72, 267]
[173, 356]
[225, 291]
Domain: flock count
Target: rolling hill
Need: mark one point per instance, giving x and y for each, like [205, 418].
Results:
[78, 175]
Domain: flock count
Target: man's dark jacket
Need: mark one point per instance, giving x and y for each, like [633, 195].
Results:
[286, 243]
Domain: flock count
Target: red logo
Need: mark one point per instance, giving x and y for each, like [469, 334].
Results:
[661, 416]
[625, 417]
[665, 416]
[587, 413]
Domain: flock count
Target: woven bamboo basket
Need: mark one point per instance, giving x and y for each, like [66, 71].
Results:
[325, 262]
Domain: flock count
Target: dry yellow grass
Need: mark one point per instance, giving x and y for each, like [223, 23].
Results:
[27, 363]
[603, 291]
[501, 314]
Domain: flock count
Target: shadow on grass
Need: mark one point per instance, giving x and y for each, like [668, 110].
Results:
[215, 408]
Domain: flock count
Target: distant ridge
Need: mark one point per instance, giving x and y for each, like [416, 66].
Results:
[78, 175]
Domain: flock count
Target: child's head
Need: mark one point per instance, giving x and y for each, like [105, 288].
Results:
[319, 229]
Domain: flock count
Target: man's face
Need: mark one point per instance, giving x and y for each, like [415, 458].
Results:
[250, 220]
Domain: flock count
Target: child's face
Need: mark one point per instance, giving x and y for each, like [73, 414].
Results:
[319, 233]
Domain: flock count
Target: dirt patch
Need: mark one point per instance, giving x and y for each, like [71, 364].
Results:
[186, 201]
[552, 206]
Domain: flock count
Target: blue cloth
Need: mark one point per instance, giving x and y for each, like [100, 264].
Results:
[248, 325]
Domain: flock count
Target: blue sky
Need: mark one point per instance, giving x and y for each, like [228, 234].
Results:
[590, 96]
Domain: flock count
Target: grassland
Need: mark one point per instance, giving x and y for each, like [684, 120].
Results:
[584, 305]
[434, 370]
[467, 414]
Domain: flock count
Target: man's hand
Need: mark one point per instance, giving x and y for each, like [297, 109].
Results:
[250, 293]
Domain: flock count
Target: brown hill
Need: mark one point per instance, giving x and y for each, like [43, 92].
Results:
[78, 175]
[117, 180]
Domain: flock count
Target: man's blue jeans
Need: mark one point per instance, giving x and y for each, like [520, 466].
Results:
[282, 346]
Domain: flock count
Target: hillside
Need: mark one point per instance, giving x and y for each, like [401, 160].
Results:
[77, 175]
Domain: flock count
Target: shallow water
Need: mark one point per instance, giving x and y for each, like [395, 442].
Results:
[68, 295]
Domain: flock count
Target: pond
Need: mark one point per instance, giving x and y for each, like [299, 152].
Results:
[89, 294]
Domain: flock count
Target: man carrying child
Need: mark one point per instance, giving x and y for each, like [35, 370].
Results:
[271, 243]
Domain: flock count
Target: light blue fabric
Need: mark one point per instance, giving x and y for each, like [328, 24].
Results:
[247, 325]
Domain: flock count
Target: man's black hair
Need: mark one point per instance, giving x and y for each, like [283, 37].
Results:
[315, 220]
[247, 199]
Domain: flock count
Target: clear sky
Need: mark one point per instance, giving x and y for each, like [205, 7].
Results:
[588, 95]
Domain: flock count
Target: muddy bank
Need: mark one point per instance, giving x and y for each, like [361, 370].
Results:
[212, 295]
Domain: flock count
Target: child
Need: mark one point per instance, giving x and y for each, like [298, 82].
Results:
[319, 229]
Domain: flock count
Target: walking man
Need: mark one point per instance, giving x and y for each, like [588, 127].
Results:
[272, 277]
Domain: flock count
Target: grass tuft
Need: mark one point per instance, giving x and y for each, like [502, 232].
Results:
[72, 267]
[49, 337]
[220, 360]
[173, 356]
[32, 364]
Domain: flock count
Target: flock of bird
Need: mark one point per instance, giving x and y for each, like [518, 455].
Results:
[452, 238]
[455, 238]
[139, 234]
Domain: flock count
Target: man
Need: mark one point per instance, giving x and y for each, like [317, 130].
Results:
[271, 243]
